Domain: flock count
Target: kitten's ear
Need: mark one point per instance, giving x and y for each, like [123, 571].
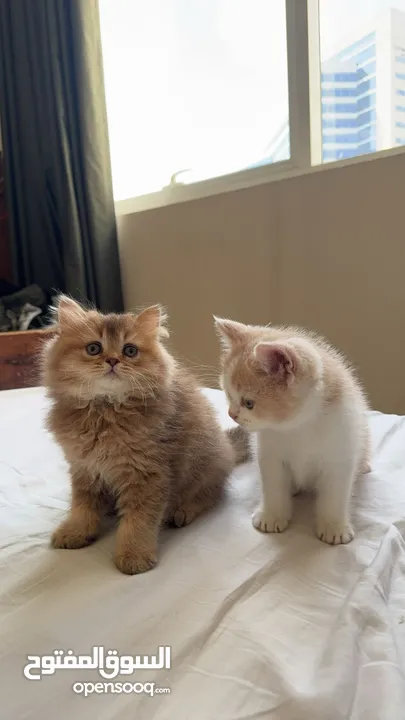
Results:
[230, 332]
[67, 311]
[152, 321]
[276, 359]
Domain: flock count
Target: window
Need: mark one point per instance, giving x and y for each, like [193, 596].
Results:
[339, 108]
[339, 92]
[367, 147]
[366, 86]
[369, 68]
[340, 139]
[366, 36]
[329, 155]
[366, 55]
[215, 93]
[339, 123]
[366, 118]
[336, 77]
[192, 85]
[366, 101]
[366, 132]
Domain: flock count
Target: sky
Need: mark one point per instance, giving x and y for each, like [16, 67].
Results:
[202, 84]
[339, 16]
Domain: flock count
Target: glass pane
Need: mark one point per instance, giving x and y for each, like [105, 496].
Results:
[195, 85]
[362, 76]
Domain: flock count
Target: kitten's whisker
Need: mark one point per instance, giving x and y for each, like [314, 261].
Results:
[199, 367]
[138, 389]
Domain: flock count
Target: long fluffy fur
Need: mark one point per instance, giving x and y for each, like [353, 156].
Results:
[140, 438]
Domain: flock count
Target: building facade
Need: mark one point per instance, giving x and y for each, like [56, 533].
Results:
[363, 95]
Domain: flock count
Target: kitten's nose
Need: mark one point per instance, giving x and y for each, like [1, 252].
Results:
[112, 361]
[232, 414]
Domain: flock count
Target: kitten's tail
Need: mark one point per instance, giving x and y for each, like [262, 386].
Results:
[240, 442]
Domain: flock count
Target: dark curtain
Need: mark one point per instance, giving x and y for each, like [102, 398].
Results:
[56, 152]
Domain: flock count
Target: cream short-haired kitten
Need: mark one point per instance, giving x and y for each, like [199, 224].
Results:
[310, 414]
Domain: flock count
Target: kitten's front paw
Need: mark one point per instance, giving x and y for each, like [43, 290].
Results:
[334, 532]
[183, 516]
[132, 563]
[71, 536]
[269, 522]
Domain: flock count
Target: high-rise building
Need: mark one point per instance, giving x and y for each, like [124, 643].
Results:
[363, 95]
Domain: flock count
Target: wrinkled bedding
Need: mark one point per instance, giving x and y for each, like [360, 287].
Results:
[259, 626]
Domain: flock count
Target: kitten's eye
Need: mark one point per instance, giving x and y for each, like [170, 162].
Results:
[249, 404]
[130, 351]
[94, 348]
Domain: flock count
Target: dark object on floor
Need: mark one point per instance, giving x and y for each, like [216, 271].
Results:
[25, 309]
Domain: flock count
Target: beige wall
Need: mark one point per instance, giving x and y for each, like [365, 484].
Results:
[325, 250]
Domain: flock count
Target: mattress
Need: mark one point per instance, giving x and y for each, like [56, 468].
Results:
[231, 625]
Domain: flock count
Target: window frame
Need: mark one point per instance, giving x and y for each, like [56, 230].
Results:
[305, 125]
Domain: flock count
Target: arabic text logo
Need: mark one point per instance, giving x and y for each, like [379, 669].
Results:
[109, 664]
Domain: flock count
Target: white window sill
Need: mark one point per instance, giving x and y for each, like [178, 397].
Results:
[237, 181]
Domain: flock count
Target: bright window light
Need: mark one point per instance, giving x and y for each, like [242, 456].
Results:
[196, 88]
[250, 89]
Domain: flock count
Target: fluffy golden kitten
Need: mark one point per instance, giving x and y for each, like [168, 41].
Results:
[135, 429]
[310, 413]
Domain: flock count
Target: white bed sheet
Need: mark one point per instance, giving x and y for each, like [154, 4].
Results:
[260, 626]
